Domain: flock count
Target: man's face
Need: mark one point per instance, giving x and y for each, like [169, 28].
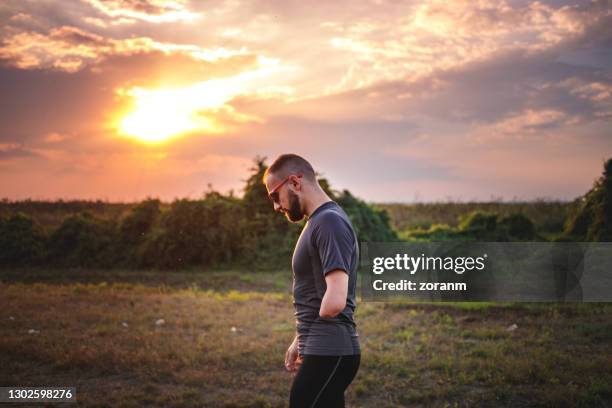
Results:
[288, 201]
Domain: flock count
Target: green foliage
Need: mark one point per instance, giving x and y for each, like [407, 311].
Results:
[84, 240]
[517, 227]
[181, 238]
[475, 226]
[50, 214]
[370, 223]
[134, 229]
[437, 232]
[480, 226]
[547, 216]
[592, 219]
[479, 223]
[228, 217]
[139, 221]
[21, 241]
[200, 233]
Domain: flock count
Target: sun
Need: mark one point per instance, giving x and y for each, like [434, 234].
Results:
[161, 114]
[156, 118]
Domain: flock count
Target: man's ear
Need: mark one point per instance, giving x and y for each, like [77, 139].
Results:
[297, 183]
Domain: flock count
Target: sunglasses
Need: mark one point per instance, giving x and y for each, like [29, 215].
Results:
[273, 194]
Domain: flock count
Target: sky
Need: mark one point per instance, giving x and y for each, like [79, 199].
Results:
[396, 101]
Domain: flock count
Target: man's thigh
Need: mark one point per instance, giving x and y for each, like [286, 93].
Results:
[333, 394]
[322, 379]
[313, 375]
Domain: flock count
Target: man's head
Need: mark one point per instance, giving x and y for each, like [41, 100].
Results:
[289, 181]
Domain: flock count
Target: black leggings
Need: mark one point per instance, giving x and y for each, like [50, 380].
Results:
[321, 381]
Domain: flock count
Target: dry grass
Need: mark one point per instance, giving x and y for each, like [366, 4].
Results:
[225, 348]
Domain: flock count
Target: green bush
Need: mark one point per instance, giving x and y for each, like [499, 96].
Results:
[371, 224]
[517, 227]
[228, 216]
[479, 222]
[592, 219]
[480, 226]
[202, 233]
[182, 239]
[22, 241]
[436, 232]
[139, 221]
[83, 240]
[134, 229]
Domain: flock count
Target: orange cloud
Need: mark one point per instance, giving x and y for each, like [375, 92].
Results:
[528, 122]
[152, 11]
[70, 49]
[54, 137]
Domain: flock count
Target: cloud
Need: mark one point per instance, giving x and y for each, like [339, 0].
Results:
[54, 137]
[151, 11]
[479, 92]
[14, 150]
[22, 18]
[71, 49]
[597, 93]
[440, 35]
[399, 68]
[523, 124]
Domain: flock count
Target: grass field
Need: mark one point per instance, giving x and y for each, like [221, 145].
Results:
[224, 335]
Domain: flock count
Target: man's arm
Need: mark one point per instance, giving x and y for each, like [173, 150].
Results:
[334, 299]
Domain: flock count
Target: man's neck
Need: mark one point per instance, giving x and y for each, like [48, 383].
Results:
[315, 201]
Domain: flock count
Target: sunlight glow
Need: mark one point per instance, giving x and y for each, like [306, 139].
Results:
[160, 114]
[163, 113]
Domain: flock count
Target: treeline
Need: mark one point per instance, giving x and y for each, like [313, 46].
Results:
[215, 231]
[225, 231]
[480, 226]
[587, 218]
[548, 217]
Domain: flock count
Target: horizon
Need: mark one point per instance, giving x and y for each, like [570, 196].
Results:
[451, 200]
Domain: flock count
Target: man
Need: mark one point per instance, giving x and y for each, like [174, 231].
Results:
[325, 351]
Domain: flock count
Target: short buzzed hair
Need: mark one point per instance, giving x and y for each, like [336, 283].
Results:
[290, 163]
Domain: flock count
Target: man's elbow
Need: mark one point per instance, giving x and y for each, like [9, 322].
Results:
[332, 310]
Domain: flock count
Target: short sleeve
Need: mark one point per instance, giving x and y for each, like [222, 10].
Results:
[334, 240]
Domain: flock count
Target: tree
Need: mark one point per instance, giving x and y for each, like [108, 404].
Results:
[370, 223]
[592, 219]
[84, 240]
[22, 241]
[269, 236]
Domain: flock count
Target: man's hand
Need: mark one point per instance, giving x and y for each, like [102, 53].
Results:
[292, 359]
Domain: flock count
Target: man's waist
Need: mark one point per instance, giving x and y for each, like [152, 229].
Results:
[304, 323]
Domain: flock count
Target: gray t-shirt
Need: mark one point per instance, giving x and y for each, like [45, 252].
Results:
[327, 242]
